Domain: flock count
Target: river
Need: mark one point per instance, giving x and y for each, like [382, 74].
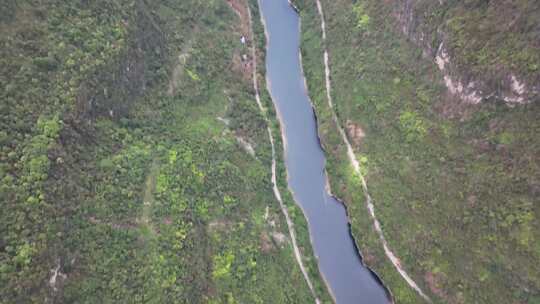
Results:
[339, 262]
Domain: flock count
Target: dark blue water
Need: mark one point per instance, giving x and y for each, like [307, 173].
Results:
[339, 262]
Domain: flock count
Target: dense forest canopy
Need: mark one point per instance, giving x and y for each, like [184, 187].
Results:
[123, 177]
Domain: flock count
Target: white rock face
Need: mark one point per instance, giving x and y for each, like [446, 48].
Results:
[468, 92]
[442, 57]
[519, 90]
[510, 89]
[517, 86]
[224, 120]
[56, 273]
[246, 145]
[279, 238]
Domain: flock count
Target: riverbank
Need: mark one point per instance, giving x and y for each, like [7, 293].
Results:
[338, 257]
[299, 222]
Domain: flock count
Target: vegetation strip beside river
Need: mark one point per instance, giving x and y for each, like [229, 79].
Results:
[275, 188]
[356, 164]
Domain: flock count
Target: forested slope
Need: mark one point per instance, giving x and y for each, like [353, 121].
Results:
[440, 100]
[134, 162]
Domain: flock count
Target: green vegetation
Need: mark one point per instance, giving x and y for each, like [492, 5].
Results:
[489, 38]
[122, 179]
[363, 18]
[413, 127]
[455, 187]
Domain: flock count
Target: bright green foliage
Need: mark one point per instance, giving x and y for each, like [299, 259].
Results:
[24, 255]
[413, 126]
[222, 265]
[363, 18]
[192, 75]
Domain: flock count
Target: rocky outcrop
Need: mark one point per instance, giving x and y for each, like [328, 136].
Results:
[503, 83]
[473, 90]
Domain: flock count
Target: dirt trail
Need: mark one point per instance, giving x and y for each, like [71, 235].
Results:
[241, 9]
[148, 199]
[356, 166]
[241, 61]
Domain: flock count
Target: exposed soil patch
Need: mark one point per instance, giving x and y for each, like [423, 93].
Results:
[433, 280]
[355, 132]
[219, 226]
[279, 238]
[368, 257]
[246, 145]
[57, 278]
[266, 243]
[242, 62]
[239, 7]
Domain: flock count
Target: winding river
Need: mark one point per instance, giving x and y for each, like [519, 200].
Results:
[338, 258]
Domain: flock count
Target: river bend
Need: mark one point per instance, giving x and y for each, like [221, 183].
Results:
[339, 262]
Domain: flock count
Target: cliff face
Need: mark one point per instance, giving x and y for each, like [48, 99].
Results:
[487, 51]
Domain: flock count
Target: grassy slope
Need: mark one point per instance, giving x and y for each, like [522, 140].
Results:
[158, 203]
[458, 199]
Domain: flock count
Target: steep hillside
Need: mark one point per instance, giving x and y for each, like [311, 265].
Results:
[134, 162]
[440, 101]
[487, 51]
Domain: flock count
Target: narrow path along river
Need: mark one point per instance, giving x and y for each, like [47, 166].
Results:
[340, 264]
